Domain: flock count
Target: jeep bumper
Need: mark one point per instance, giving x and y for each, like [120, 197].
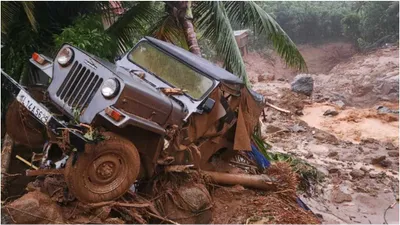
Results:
[40, 112]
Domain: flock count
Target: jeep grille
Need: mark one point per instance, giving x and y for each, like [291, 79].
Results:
[79, 87]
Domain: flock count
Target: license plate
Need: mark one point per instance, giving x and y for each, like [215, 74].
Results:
[37, 110]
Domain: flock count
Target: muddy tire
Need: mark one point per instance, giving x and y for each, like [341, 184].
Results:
[22, 127]
[105, 171]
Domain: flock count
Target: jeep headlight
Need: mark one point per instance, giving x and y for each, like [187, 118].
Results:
[110, 88]
[65, 56]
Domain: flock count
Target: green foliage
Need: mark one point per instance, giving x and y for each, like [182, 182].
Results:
[351, 26]
[378, 19]
[309, 22]
[88, 33]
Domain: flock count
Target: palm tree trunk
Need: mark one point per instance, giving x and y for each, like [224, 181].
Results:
[186, 18]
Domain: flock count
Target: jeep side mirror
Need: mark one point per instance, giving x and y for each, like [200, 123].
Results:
[208, 105]
[117, 58]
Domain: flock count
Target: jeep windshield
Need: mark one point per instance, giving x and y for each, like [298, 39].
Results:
[170, 70]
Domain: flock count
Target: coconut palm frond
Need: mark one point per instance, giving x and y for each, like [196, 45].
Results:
[215, 25]
[248, 13]
[168, 29]
[137, 19]
[29, 11]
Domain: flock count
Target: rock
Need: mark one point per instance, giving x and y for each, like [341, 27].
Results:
[363, 168]
[374, 174]
[309, 155]
[393, 154]
[390, 146]
[339, 196]
[368, 141]
[356, 173]
[333, 154]
[339, 103]
[325, 137]
[331, 112]
[378, 159]
[34, 208]
[192, 207]
[281, 79]
[386, 110]
[272, 129]
[299, 112]
[333, 170]
[303, 84]
[297, 128]
[385, 163]
[261, 78]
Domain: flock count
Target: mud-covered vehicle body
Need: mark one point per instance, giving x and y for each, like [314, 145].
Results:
[113, 124]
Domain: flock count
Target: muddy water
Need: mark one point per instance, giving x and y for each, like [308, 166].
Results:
[352, 124]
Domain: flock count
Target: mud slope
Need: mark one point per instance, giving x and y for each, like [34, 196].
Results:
[357, 150]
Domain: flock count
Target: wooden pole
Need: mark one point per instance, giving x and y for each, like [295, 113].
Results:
[262, 182]
[6, 152]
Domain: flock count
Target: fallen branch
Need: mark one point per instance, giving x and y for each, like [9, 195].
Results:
[162, 218]
[113, 203]
[277, 108]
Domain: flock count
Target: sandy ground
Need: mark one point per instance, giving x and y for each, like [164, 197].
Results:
[343, 145]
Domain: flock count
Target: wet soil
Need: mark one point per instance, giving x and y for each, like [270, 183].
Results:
[359, 138]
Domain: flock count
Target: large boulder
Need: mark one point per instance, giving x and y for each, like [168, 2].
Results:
[303, 84]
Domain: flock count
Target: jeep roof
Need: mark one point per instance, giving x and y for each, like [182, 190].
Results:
[197, 62]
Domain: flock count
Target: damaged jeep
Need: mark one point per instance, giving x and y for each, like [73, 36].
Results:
[107, 125]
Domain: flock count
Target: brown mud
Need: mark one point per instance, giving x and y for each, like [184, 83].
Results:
[358, 149]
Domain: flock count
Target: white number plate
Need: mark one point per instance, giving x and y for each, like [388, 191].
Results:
[37, 110]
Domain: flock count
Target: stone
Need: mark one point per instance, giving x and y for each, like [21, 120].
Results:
[374, 174]
[333, 170]
[340, 103]
[385, 163]
[325, 137]
[309, 155]
[393, 154]
[41, 209]
[331, 112]
[378, 159]
[333, 154]
[297, 128]
[303, 84]
[281, 79]
[272, 129]
[299, 112]
[363, 168]
[339, 196]
[356, 173]
[386, 110]
[390, 146]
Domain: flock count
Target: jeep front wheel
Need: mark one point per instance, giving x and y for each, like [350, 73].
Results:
[105, 171]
